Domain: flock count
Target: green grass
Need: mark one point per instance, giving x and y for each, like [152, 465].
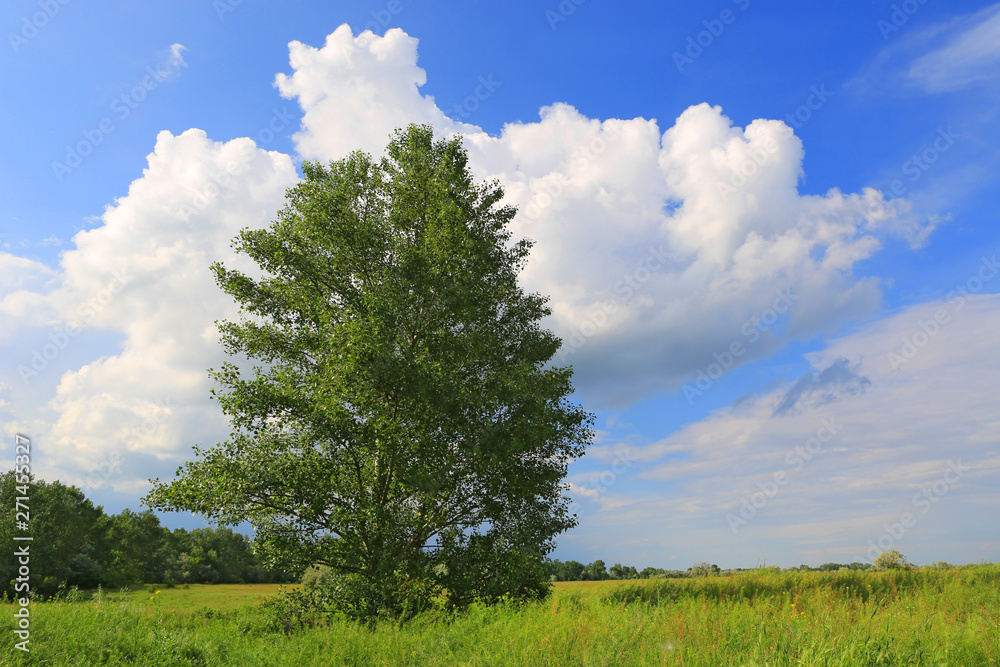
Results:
[925, 617]
[196, 597]
[199, 596]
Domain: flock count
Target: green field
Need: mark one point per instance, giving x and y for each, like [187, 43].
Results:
[917, 617]
[201, 596]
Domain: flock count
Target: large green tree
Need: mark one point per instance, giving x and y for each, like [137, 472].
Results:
[404, 426]
[64, 526]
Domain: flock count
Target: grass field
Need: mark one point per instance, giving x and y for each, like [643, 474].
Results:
[201, 596]
[921, 617]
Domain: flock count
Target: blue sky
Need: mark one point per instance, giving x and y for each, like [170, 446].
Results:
[768, 230]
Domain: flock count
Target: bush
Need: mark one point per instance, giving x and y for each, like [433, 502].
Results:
[83, 571]
[350, 596]
[891, 560]
[317, 576]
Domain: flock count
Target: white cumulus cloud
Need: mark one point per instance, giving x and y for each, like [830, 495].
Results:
[144, 274]
[659, 248]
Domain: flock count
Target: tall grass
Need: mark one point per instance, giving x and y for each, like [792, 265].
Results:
[925, 617]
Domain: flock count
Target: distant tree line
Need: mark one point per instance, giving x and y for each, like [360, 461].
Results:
[572, 570]
[74, 543]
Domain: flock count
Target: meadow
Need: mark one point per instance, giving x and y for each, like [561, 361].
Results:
[898, 617]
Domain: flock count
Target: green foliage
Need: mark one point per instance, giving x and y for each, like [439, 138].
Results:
[63, 527]
[76, 545]
[891, 560]
[766, 585]
[404, 416]
[355, 597]
[597, 571]
[619, 571]
[923, 617]
[133, 547]
[704, 569]
[317, 576]
[476, 568]
[572, 570]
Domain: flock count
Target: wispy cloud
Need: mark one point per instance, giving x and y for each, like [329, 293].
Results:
[950, 56]
[970, 55]
[172, 62]
[814, 390]
[802, 487]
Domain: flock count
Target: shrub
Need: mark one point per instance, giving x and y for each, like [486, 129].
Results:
[891, 560]
[353, 597]
[317, 576]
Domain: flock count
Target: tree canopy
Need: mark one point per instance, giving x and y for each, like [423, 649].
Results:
[404, 426]
[74, 543]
